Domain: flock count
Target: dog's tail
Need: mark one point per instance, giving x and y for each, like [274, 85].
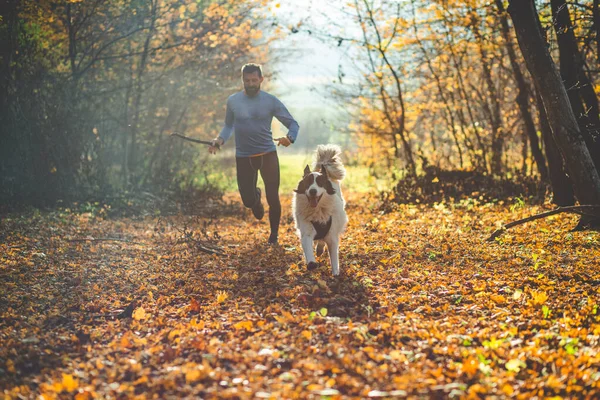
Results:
[328, 156]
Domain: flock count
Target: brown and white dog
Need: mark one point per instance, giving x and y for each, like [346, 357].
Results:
[318, 206]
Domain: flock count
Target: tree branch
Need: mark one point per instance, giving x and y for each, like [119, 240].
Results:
[587, 210]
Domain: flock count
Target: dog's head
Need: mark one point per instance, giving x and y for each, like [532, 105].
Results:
[314, 185]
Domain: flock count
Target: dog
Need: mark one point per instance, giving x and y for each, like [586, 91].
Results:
[319, 207]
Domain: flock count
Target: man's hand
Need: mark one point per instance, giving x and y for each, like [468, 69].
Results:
[216, 145]
[283, 141]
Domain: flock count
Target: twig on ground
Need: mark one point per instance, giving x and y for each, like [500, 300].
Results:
[93, 239]
[587, 210]
[200, 245]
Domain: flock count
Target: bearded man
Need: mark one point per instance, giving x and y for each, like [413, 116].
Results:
[249, 114]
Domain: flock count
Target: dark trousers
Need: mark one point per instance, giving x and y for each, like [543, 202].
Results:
[247, 177]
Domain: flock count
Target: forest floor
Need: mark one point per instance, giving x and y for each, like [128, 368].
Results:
[425, 306]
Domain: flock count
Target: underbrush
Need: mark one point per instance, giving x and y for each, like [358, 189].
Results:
[456, 186]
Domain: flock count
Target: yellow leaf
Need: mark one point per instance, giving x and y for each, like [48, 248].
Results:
[125, 342]
[57, 387]
[139, 314]
[508, 389]
[195, 372]
[221, 296]
[193, 376]
[307, 334]
[85, 395]
[470, 366]
[247, 325]
[174, 333]
[539, 298]
[497, 298]
[69, 383]
[143, 379]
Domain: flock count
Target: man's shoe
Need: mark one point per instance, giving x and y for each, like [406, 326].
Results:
[258, 210]
[272, 240]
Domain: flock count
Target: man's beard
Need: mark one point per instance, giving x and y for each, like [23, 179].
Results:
[251, 90]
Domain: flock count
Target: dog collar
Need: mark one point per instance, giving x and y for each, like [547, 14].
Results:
[321, 228]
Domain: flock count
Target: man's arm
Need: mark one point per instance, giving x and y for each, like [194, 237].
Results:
[228, 127]
[284, 116]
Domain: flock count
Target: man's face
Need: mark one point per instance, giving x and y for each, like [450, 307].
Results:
[252, 83]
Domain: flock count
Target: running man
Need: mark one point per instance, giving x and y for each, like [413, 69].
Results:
[250, 113]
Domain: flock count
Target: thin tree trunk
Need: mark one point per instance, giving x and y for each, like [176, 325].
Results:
[579, 88]
[523, 95]
[498, 133]
[138, 94]
[596, 16]
[400, 130]
[72, 33]
[548, 82]
[126, 131]
[401, 119]
[562, 190]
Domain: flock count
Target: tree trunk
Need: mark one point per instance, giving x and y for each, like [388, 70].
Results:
[498, 133]
[562, 190]
[548, 83]
[401, 129]
[132, 158]
[72, 32]
[579, 88]
[596, 16]
[523, 96]
[8, 48]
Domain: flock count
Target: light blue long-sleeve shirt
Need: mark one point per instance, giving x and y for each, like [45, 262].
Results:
[251, 118]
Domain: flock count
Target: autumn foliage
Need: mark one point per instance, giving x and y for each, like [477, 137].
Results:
[425, 307]
[93, 89]
[156, 285]
[443, 83]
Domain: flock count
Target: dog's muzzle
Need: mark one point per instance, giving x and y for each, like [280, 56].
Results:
[313, 200]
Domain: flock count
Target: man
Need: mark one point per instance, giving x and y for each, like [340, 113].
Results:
[250, 113]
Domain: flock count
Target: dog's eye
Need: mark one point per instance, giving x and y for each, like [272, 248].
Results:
[321, 180]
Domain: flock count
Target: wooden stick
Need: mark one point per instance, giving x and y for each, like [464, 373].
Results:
[93, 239]
[587, 210]
[210, 143]
[200, 246]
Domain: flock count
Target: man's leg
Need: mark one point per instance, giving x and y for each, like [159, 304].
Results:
[247, 176]
[270, 175]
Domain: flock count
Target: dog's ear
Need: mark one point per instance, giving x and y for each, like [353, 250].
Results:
[301, 187]
[329, 187]
[306, 170]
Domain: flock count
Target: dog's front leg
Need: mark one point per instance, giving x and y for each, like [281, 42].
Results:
[309, 255]
[333, 246]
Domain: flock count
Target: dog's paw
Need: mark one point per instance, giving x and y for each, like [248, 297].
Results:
[312, 265]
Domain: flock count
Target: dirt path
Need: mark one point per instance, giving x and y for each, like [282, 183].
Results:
[424, 307]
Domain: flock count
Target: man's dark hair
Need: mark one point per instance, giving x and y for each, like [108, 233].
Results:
[251, 67]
